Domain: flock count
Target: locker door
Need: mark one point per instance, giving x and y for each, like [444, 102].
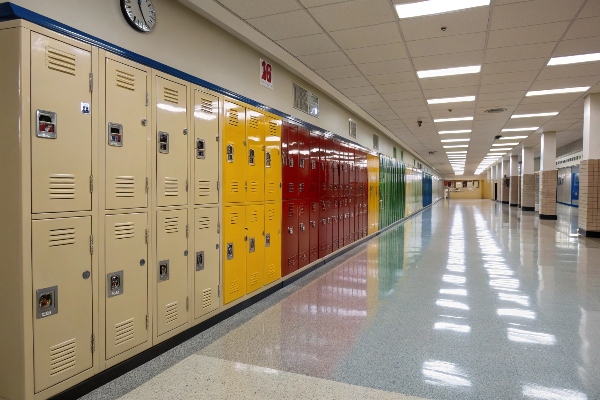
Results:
[233, 253]
[255, 247]
[234, 154]
[330, 157]
[172, 143]
[303, 163]
[345, 169]
[272, 270]
[314, 166]
[62, 315]
[303, 233]
[335, 243]
[323, 170]
[314, 231]
[290, 166]
[61, 137]
[350, 211]
[336, 157]
[255, 158]
[352, 162]
[125, 136]
[330, 215]
[273, 156]
[289, 237]
[126, 282]
[206, 260]
[323, 227]
[206, 148]
[171, 270]
[373, 182]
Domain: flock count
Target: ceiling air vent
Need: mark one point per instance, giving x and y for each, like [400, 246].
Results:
[495, 110]
[375, 142]
[352, 129]
[306, 101]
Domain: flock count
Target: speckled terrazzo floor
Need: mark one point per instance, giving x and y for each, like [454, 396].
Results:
[468, 300]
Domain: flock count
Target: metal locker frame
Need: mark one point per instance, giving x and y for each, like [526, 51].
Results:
[289, 145]
[255, 247]
[335, 241]
[205, 155]
[206, 260]
[314, 165]
[272, 267]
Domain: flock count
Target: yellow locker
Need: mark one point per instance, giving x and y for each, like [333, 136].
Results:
[373, 177]
[172, 143]
[234, 252]
[126, 294]
[273, 160]
[171, 270]
[126, 136]
[206, 148]
[272, 270]
[255, 247]
[206, 260]
[62, 290]
[255, 158]
[61, 143]
[234, 154]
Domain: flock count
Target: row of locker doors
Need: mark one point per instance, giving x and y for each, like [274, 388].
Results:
[313, 229]
[62, 278]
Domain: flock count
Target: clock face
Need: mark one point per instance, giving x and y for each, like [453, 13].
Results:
[139, 14]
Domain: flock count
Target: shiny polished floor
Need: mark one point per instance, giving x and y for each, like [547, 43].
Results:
[467, 300]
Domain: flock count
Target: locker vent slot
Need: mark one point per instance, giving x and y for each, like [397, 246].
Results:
[253, 279]
[206, 298]
[253, 187]
[271, 187]
[203, 222]
[171, 186]
[125, 80]
[124, 332]
[172, 312]
[124, 186]
[205, 106]
[271, 270]
[233, 118]
[171, 224]
[234, 286]
[62, 356]
[273, 127]
[203, 188]
[60, 61]
[254, 216]
[61, 237]
[234, 218]
[171, 95]
[253, 122]
[271, 214]
[234, 186]
[124, 230]
[62, 186]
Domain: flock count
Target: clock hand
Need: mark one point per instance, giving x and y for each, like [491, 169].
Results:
[142, 12]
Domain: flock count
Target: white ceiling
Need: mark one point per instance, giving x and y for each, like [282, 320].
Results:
[362, 49]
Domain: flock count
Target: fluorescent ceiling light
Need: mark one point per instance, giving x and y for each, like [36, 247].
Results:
[457, 156]
[452, 100]
[574, 59]
[546, 114]
[533, 128]
[507, 149]
[557, 91]
[458, 131]
[432, 73]
[456, 152]
[455, 140]
[432, 7]
[504, 144]
[496, 154]
[513, 137]
[452, 147]
[453, 119]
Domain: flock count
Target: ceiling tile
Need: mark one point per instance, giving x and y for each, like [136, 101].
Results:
[287, 25]
[416, 94]
[375, 106]
[397, 77]
[385, 111]
[316, 3]
[370, 98]
[577, 46]
[346, 83]
[509, 77]
[397, 87]
[527, 35]
[446, 45]
[367, 36]
[500, 96]
[306, 45]
[448, 60]
[359, 91]
[451, 92]
[514, 66]
[385, 67]
[505, 87]
[346, 71]
[353, 14]
[417, 101]
[254, 9]
[385, 52]
[591, 9]
[562, 100]
[582, 28]
[534, 12]
[325, 60]
[458, 23]
[566, 82]
[513, 53]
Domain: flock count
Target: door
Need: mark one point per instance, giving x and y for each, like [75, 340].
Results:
[172, 301]
[255, 157]
[289, 237]
[61, 137]
[255, 247]
[303, 233]
[206, 260]
[314, 228]
[233, 253]
[234, 154]
[290, 164]
[62, 299]
[323, 170]
[273, 157]
[126, 294]
[314, 166]
[351, 212]
[330, 216]
[337, 158]
[171, 143]
[335, 223]
[353, 162]
[373, 195]
[206, 148]
[303, 171]
[272, 270]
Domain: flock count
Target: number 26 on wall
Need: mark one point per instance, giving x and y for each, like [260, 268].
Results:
[266, 76]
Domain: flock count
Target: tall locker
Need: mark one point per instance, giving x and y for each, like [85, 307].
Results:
[373, 193]
[126, 297]
[255, 247]
[323, 226]
[172, 301]
[62, 284]
[314, 227]
[303, 172]
[172, 143]
[255, 156]
[272, 266]
[234, 153]
[273, 157]
[354, 162]
[206, 260]
[289, 237]
[323, 170]
[233, 253]
[303, 233]
[206, 148]
[290, 160]
[61, 137]
[337, 158]
[126, 136]
[331, 167]
[315, 166]
[335, 242]
[351, 212]
[345, 169]
[330, 217]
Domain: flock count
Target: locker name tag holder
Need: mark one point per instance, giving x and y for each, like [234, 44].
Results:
[200, 149]
[115, 134]
[46, 302]
[163, 270]
[46, 124]
[200, 260]
[115, 284]
[163, 142]
[85, 108]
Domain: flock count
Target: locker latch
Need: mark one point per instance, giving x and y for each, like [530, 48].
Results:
[200, 149]
[114, 284]
[252, 245]
[301, 164]
[251, 157]
[200, 260]
[46, 124]
[115, 134]
[47, 302]
[302, 227]
[313, 224]
[230, 251]
[322, 221]
[163, 142]
[268, 160]
[313, 164]
[229, 153]
[268, 240]
[291, 230]
[163, 271]
[291, 162]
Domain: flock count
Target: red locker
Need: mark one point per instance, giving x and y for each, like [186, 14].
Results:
[343, 227]
[303, 233]
[359, 217]
[346, 168]
[303, 171]
[330, 161]
[352, 171]
[289, 147]
[329, 214]
[337, 158]
[289, 237]
[323, 227]
[353, 218]
[315, 165]
[335, 239]
[323, 170]
[365, 218]
[314, 229]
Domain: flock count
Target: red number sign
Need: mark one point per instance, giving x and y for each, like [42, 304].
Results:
[266, 77]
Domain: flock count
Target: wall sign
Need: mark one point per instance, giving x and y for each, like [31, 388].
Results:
[266, 74]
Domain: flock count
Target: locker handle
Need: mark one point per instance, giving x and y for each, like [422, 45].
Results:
[302, 227]
[229, 153]
[313, 224]
[291, 230]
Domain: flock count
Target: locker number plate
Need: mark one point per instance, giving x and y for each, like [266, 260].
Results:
[46, 302]
[114, 284]
[200, 149]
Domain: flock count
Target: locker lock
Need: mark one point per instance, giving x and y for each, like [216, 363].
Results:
[163, 142]
[302, 227]
[313, 164]
[200, 260]
[115, 134]
[200, 149]
[268, 240]
[268, 160]
[115, 284]
[301, 163]
[322, 221]
[229, 153]
[313, 224]
[144, 122]
[230, 251]
[46, 302]
[291, 230]
[185, 131]
[46, 124]
[251, 157]
[163, 270]
[252, 245]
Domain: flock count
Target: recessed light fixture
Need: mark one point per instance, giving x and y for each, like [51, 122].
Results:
[546, 114]
[456, 146]
[503, 149]
[457, 131]
[558, 91]
[453, 119]
[455, 140]
[495, 110]
[456, 152]
[532, 128]
[513, 137]
[495, 154]
[433, 73]
[504, 144]
[452, 100]
[432, 7]
[574, 59]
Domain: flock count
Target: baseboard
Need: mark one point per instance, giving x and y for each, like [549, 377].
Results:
[514, 205]
[528, 208]
[548, 217]
[590, 234]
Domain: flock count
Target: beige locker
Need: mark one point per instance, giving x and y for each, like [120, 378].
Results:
[171, 143]
[255, 247]
[255, 157]
[62, 290]
[61, 137]
[206, 148]
[206, 260]
[126, 293]
[171, 270]
[125, 136]
[272, 266]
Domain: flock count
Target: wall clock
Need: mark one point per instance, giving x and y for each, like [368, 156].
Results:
[139, 14]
